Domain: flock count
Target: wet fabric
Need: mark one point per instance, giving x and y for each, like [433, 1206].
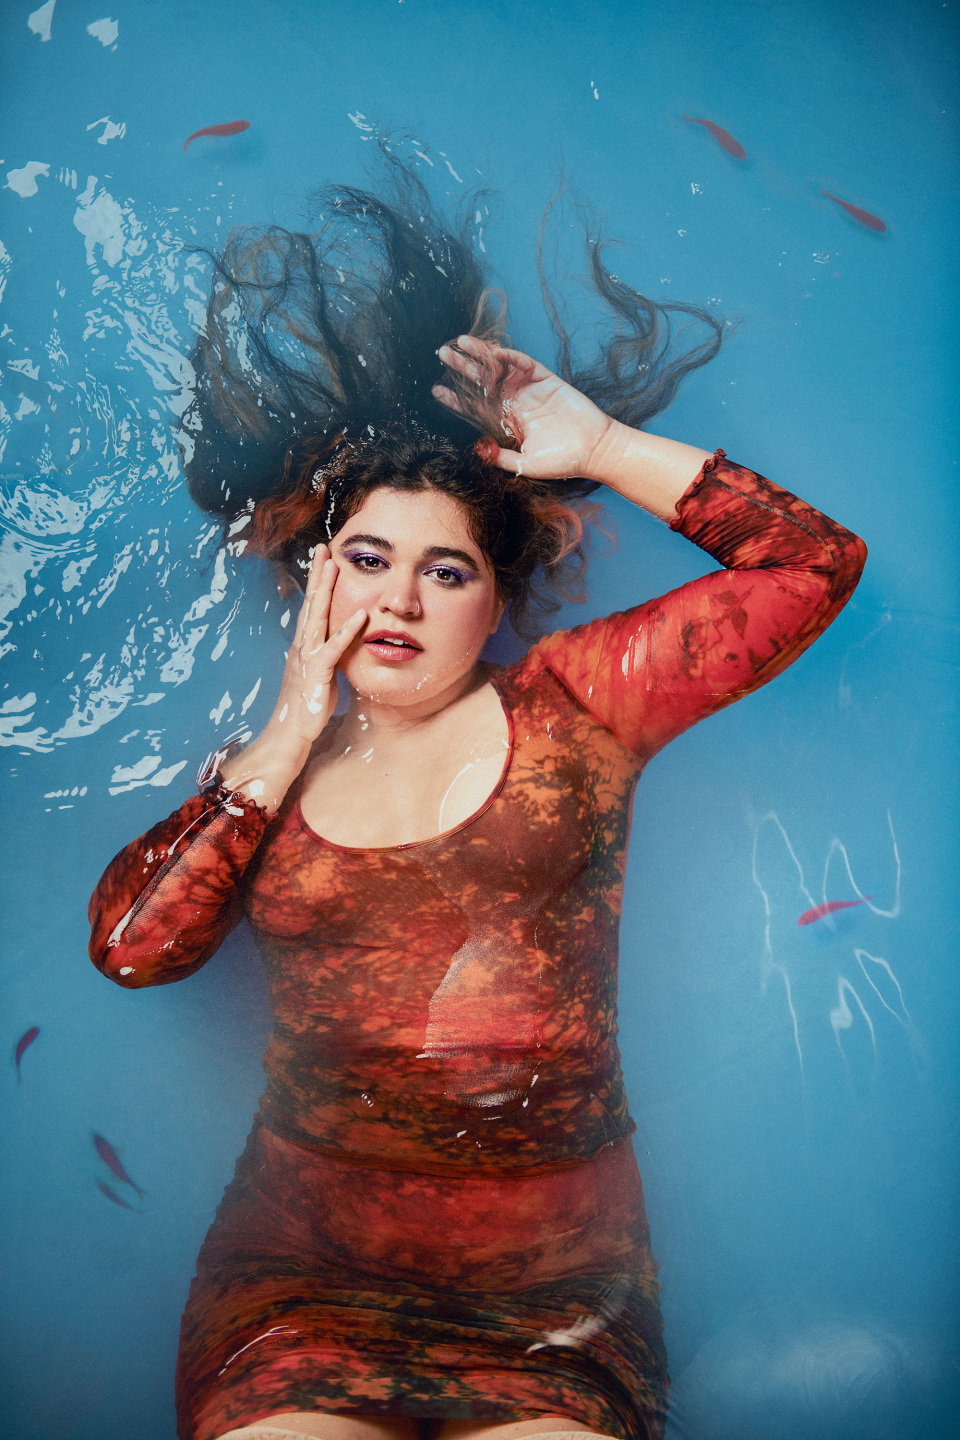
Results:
[438, 1212]
[325, 1285]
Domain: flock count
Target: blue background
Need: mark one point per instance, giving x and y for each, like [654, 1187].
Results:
[800, 1171]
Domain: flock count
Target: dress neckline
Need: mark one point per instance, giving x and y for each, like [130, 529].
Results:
[444, 834]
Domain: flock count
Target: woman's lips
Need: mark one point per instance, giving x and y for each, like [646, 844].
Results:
[393, 646]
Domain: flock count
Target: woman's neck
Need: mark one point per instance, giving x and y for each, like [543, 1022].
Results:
[369, 714]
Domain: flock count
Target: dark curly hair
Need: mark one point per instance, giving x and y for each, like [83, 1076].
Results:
[315, 367]
[521, 526]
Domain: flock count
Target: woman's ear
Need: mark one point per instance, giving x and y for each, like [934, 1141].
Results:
[286, 584]
[498, 610]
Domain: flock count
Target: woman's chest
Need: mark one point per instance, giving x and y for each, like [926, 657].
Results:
[377, 787]
[560, 811]
[381, 798]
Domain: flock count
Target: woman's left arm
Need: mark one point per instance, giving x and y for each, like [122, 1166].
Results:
[558, 432]
[653, 671]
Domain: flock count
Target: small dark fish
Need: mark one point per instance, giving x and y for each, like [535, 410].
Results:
[233, 127]
[722, 137]
[111, 1194]
[828, 907]
[23, 1045]
[110, 1157]
[863, 217]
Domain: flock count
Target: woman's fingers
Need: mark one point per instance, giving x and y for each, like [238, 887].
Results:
[328, 656]
[470, 345]
[320, 556]
[510, 460]
[317, 605]
[345, 635]
[324, 593]
[481, 414]
[529, 368]
[494, 357]
[463, 364]
[483, 351]
[449, 398]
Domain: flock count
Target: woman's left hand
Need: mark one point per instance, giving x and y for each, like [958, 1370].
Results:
[541, 426]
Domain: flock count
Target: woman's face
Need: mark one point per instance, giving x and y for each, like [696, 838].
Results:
[408, 558]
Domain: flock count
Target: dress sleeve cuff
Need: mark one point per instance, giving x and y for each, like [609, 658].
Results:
[703, 474]
[747, 522]
[211, 787]
[234, 802]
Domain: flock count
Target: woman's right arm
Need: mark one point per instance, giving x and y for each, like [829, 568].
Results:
[168, 900]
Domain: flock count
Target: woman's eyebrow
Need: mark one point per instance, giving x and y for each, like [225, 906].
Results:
[432, 552]
[377, 540]
[442, 552]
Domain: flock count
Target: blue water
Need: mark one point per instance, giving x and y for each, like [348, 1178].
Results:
[795, 1087]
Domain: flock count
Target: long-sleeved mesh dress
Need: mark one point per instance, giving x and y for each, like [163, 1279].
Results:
[438, 1211]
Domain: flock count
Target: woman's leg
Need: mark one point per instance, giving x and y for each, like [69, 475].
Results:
[544, 1426]
[298, 1423]
[291, 1425]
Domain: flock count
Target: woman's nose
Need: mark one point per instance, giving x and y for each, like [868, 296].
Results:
[401, 595]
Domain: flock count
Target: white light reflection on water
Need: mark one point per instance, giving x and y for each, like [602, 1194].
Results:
[100, 551]
[779, 933]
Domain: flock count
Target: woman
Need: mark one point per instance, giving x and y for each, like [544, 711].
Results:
[438, 1217]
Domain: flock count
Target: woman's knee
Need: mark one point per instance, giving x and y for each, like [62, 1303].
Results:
[311, 1425]
[551, 1427]
[261, 1432]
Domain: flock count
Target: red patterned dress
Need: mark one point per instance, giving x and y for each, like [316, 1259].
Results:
[438, 1211]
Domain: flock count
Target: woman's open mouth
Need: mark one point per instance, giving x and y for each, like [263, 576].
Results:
[393, 646]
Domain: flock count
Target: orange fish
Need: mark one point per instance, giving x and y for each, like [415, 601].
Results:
[722, 137]
[862, 217]
[23, 1045]
[111, 1194]
[110, 1157]
[233, 127]
[828, 907]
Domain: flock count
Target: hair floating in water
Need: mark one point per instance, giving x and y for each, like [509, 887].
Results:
[317, 361]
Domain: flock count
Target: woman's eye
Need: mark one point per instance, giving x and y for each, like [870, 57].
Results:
[446, 576]
[369, 563]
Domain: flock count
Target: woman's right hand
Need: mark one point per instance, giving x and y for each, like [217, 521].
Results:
[553, 430]
[266, 769]
[308, 695]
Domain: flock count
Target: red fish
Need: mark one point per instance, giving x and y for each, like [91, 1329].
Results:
[110, 1157]
[23, 1045]
[863, 217]
[828, 907]
[722, 137]
[111, 1194]
[233, 127]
